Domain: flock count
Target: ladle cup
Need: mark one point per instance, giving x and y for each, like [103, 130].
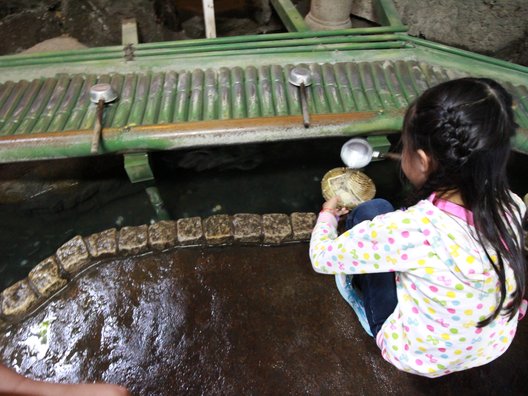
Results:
[301, 77]
[357, 153]
[100, 94]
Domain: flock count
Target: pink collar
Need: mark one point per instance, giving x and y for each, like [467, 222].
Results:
[452, 208]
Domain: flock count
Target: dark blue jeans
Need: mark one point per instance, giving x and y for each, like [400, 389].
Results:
[379, 289]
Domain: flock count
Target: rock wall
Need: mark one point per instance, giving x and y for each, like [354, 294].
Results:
[492, 27]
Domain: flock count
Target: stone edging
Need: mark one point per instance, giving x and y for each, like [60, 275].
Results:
[79, 253]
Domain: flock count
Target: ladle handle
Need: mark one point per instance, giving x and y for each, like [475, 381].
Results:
[304, 106]
[97, 127]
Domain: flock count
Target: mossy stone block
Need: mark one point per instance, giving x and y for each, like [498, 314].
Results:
[162, 234]
[190, 231]
[102, 244]
[45, 277]
[73, 256]
[18, 300]
[247, 228]
[133, 240]
[302, 225]
[276, 228]
[218, 229]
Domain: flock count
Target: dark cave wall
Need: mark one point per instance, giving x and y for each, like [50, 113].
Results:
[490, 27]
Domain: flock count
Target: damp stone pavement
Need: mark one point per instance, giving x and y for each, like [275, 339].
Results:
[219, 305]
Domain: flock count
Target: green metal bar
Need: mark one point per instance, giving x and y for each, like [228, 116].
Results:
[183, 89]
[330, 88]
[334, 48]
[290, 16]
[53, 146]
[53, 104]
[310, 99]
[381, 85]
[367, 81]
[12, 101]
[278, 90]
[354, 77]
[467, 54]
[274, 37]
[116, 52]
[386, 13]
[238, 100]
[408, 89]
[154, 99]
[68, 103]
[252, 99]
[38, 105]
[196, 97]
[210, 95]
[394, 86]
[358, 40]
[52, 60]
[317, 89]
[264, 92]
[157, 203]
[137, 111]
[116, 82]
[224, 94]
[91, 112]
[77, 114]
[125, 100]
[7, 87]
[22, 108]
[169, 96]
[292, 92]
[345, 91]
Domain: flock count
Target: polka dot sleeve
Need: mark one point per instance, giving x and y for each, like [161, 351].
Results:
[391, 242]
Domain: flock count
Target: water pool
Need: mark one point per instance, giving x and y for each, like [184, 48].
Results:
[280, 177]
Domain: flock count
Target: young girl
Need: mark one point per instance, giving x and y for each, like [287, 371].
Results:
[440, 284]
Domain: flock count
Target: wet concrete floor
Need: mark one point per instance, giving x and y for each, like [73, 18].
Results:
[230, 321]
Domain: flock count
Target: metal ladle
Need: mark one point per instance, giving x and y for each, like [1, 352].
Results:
[357, 153]
[301, 77]
[100, 94]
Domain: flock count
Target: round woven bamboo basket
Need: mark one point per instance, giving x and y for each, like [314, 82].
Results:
[351, 186]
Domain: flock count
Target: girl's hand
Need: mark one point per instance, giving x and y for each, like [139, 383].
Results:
[332, 206]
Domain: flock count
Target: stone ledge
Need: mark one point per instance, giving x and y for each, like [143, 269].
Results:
[46, 278]
[18, 300]
[54, 272]
[73, 255]
[102, 244]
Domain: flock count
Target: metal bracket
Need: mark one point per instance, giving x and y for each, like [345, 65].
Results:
[380, 145]
[128, 52]
[137, 167]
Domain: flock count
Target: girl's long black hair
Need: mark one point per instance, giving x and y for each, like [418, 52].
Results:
[466, 126]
